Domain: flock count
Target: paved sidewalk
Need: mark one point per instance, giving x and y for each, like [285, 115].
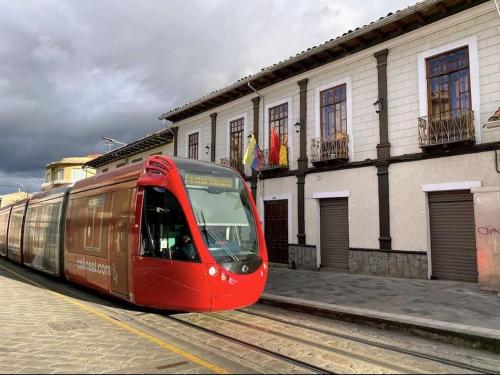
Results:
[454, 309]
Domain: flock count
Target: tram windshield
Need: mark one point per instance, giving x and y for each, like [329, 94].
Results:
[223, 213]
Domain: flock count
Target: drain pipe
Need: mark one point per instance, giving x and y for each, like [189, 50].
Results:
[263, 106]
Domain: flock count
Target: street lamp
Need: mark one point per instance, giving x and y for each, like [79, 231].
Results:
[111, 141]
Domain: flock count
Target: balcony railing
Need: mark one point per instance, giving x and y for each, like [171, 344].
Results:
[268, 165]
[334, 148]
[452, 129]
[235, 163]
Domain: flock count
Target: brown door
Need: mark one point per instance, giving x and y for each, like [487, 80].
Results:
[276, 228]
[334, 234]
[119, 242]
[453, 238]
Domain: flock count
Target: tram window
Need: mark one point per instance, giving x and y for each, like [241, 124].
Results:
[164, 230]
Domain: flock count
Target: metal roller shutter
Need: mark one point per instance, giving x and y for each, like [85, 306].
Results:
[453, 241]
[334, 234]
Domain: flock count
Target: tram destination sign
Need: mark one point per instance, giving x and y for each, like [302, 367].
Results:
[209, 181]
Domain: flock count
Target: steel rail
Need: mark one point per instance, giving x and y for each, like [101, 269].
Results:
[429, 357]
[282, 357]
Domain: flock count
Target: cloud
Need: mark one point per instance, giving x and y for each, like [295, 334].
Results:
[74, 71]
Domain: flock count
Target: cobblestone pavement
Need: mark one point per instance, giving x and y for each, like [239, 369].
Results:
[77, 331]
[51, 333]
[447, 301]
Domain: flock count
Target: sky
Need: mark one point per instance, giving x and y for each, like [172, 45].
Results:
[74, 71]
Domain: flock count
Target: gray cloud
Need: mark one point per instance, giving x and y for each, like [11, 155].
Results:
[74, 71]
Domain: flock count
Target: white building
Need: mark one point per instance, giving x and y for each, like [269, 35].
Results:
[381, 189]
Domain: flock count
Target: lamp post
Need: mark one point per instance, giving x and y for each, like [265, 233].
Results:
[111, 141]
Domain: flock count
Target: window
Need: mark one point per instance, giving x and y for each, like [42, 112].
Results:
[59, 175]
[120, 165]
[136, 160]
[164, 230]
[105, 170]
[278, 120]
[156, 153]
[193, 146]
[333, 111]
[448, 84]
[236, 130]
[77, 174]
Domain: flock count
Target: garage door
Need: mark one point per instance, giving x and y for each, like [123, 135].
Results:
[453, 241]
[334, 234]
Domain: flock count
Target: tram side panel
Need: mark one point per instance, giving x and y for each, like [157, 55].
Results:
[15, 232]
[43, 235]
[97, 243]
[86, 250]
[4, 225]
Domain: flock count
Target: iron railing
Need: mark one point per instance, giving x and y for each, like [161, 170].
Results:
[446, 130]
[334, 148]
[235, 163]
[268, 165]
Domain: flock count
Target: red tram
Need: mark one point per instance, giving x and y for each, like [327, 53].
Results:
[167, 233]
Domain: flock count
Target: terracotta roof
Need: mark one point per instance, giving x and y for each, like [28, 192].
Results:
[352, 41]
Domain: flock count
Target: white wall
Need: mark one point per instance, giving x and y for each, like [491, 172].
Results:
[481, 23]
[408, 201]
[362, 188]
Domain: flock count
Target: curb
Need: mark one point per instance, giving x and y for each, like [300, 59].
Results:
[454, 333]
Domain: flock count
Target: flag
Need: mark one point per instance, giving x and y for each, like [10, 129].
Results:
[250, 151]
[283, 156]
[274, 149]
[257, 161]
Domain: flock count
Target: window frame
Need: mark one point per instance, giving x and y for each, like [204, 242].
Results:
[471, 43]
[194, 131]
[448, 73]
[278, 121]
[334, 104]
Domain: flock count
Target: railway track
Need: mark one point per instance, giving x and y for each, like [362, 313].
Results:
[349, 356]
[282, 357]
[426, 356]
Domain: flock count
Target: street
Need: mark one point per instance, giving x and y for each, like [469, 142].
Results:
[52, 326]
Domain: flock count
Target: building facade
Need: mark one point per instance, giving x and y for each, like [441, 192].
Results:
[10, 198]
[387, 129]
[67, 171]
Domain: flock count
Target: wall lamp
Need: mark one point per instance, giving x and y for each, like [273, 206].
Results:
[297, 127]
[207, 149]
[379, 105]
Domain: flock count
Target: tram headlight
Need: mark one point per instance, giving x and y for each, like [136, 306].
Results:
[223, 277]
[265, 266]
[212, 271]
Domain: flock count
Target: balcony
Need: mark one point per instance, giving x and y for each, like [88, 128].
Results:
[333, 149]
[457, 128]
[236, 163]
[267, 165]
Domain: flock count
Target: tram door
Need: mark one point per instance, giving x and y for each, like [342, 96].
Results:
[119, 241]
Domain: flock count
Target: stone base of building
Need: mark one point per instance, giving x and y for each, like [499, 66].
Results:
[408, 264]
[302, 257]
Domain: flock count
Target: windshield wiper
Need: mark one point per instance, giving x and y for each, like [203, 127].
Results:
[218, 241]
[203, 227]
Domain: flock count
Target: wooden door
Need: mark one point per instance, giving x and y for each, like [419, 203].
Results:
[276, 230]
